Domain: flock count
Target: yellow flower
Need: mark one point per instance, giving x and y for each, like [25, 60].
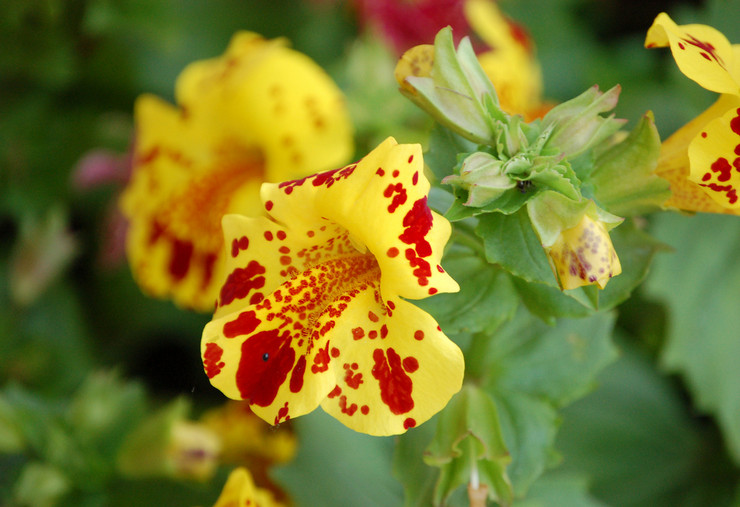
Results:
[261, 112]
[584, 255]
[246, 439]
[706, 175]
[240, 490]
[313, 310]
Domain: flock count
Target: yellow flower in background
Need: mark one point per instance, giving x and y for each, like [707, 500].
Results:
[701, 160]
[584, 255]
[261, 112]
[240, 490]
[313, 309]
[248, 440]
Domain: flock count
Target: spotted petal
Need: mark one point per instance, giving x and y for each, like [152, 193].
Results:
[241, 490]
[382, 202]
[397, 371]
[701, 52]
[673, 164]
[261, 111]
[715, 159]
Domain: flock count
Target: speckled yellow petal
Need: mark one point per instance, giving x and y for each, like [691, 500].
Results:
[240, 491]
[382, 202]
[175, 200]
[396, 370]
[714, 157]
[584, 255]
[510, 63]
[701, 52]
[418, 62]
[673, 164]
[266, 94]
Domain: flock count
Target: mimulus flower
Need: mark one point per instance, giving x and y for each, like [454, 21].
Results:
[702, 159]
[261, 112]
[240, 490]
[313, 309]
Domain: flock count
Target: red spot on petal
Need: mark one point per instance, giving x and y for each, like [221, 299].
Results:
[212, 359]
[334, 352]
[432, 291]
[396, 173]
[392, 305]
[392, 251]
[395, 385]
[417, 223]
[352, 379]
[268, 205]
[380, 172]
[296, 378]
[399, 198]
[358, 333]
[383, 331]
[704, 135]
[372, 316]
[415, 178]
[321, 360]
[268, 235]
[349, 410]
[244, 324]
[372, 334]
[281, 235]
[285, 260]
[265, 362]
[411, 158]
[335, 392]
[365, 409]
[241, 281]
[182, 253]
[284, 249]
[410, 364]
[409, 423]
[419, 334]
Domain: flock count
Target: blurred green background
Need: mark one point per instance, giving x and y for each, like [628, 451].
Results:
[662, 426]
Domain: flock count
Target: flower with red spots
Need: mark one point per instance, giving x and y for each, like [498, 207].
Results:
[706, 176]
[261, 112]
[313, 309]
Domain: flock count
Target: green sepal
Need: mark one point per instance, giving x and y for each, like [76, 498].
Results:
[468, 435]
[457, 94]
[623, 178]
[551, 213]
[578, 125]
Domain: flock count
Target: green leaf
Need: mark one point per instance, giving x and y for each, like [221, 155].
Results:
[699, 284]
[468, 435]
[639, 443]
[510, 241]
[417, 478]
[559, 489]
[444, 145]
[486, 296]
[623, 180]
[532, 369]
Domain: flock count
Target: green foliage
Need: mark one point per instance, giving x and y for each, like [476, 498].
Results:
[698, 283]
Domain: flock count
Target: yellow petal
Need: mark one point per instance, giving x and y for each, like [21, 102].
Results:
[701, 52]
[240, 490]
[584, 255]
[382, 202]
[194, 164]
[510, 64]
[714, 156]
[673, 164]
[418, 62]
[265, 94]
[397, 371]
